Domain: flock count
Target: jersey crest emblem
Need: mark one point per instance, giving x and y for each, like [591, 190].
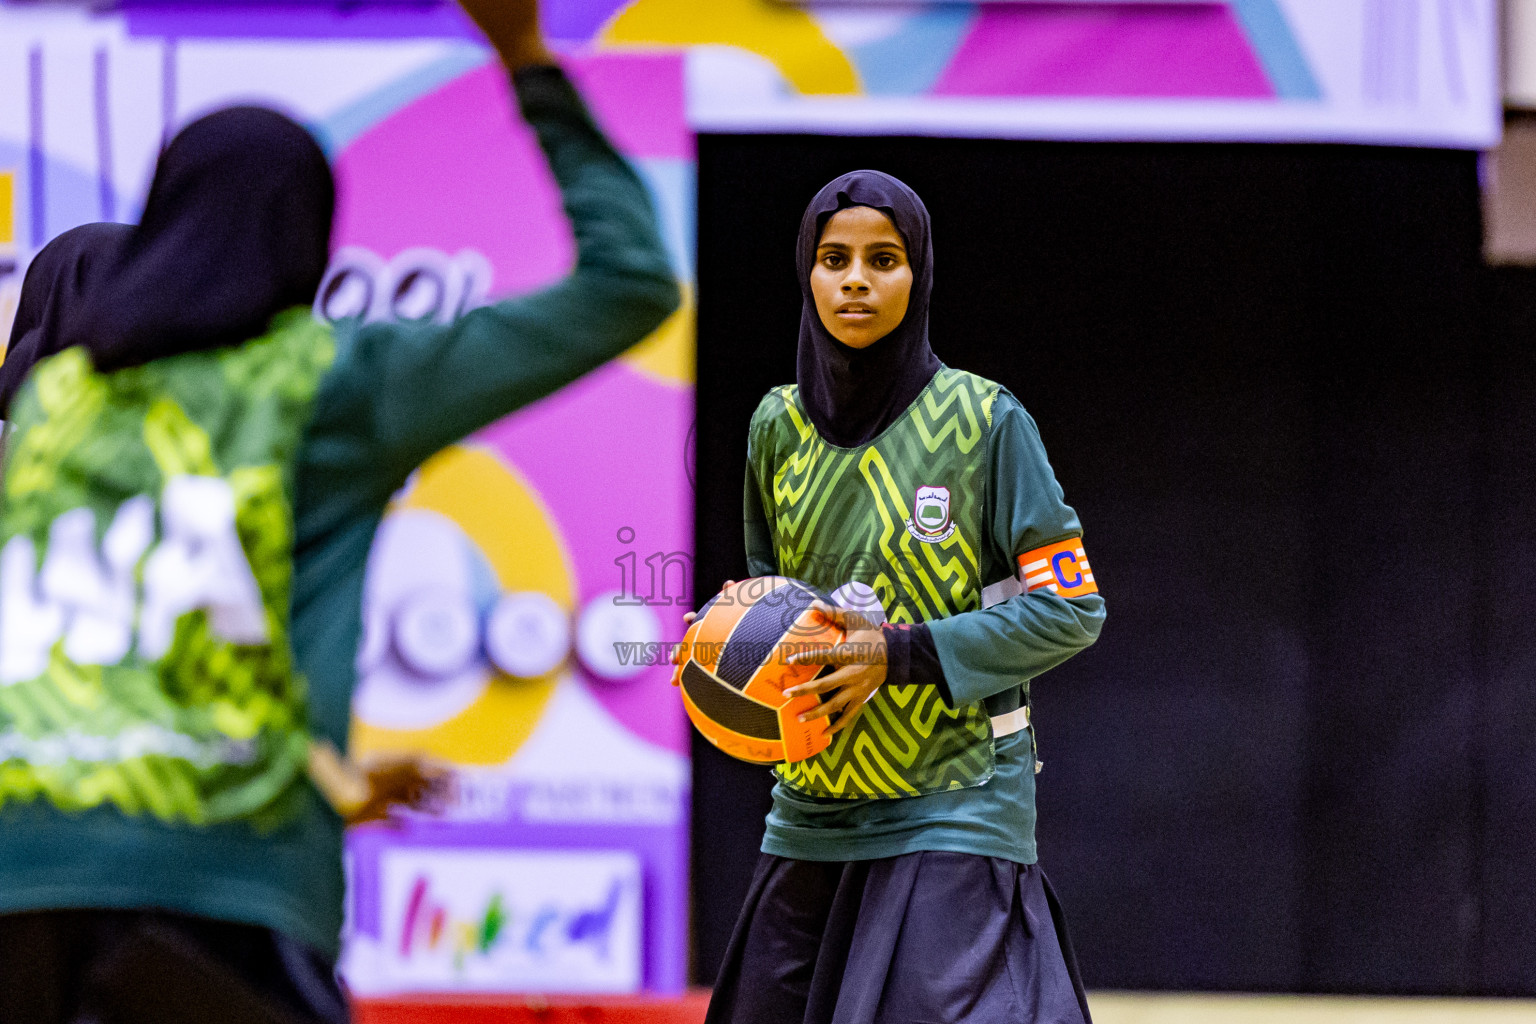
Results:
[931, 521]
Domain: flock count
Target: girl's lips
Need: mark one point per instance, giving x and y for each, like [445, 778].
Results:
[856, 314]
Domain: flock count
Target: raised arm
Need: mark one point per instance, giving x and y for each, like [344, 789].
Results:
[432, 384]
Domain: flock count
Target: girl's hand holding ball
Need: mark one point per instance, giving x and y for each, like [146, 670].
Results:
[861, 658]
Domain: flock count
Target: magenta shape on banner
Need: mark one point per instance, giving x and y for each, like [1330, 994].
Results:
[639, 100]
[465, 140]
[609, 424]
[1059, 50]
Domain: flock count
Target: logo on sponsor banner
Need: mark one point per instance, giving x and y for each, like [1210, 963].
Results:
[510, 920]
[931, 522]
[430, 926]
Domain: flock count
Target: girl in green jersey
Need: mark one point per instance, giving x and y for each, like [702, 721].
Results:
[898, 880]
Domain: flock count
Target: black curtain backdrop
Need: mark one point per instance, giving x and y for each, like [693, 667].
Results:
[1294, 413]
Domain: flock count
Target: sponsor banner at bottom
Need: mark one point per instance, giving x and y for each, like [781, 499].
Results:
[504, 920]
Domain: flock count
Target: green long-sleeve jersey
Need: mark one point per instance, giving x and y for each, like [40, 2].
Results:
[394, 394]
[988, 654]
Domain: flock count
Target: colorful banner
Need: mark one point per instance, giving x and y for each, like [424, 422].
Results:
[1399, 72]
[513, 573]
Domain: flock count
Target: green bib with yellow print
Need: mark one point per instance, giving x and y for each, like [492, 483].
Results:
[903, 514]
[146, 557]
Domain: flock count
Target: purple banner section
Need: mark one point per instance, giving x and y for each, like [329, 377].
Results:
[298, 21]
[107, 193]
[379, 19]
[36, 153]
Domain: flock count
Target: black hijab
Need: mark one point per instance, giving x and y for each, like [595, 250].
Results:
[237, 228]
[852, 394]
[58, 277]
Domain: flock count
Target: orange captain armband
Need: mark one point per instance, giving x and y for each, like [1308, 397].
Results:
[1062, 568]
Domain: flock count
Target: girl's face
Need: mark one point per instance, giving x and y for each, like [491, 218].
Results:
[862, 279]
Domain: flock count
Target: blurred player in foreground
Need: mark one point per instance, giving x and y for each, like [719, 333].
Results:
[194, 471]
[898, 880]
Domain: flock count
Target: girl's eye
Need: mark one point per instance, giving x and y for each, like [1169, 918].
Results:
[832, 260]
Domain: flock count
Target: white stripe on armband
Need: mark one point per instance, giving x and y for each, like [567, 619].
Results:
[1014, 721]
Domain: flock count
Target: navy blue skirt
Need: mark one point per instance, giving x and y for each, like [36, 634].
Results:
[926, 938]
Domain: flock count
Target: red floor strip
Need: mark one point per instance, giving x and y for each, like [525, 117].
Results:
[688, 1009]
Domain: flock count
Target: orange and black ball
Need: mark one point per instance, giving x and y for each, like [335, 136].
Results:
[732, 672]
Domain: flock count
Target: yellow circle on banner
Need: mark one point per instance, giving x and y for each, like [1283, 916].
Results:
[502, 516]
[783, 34]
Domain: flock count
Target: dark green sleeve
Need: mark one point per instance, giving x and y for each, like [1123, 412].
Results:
[430, 384]
[761, 558]
[987, 651]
